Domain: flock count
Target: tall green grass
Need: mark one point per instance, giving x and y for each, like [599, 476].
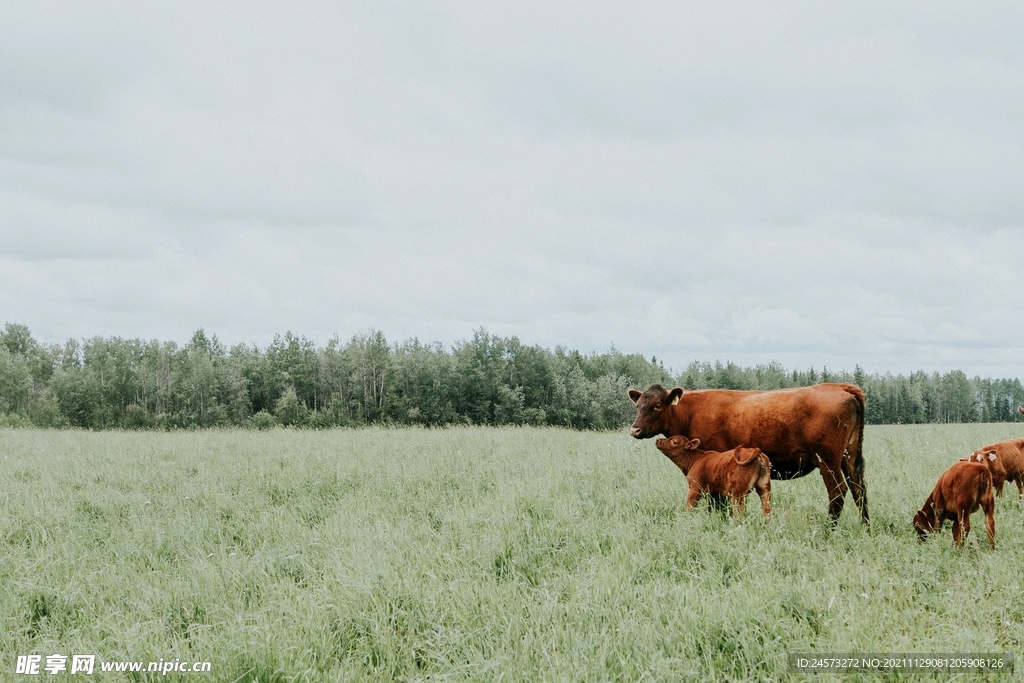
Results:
[517, 554]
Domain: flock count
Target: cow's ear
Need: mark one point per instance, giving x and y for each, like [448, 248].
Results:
[673, 396]
[634, 395]
[991, 455]
[693, 443]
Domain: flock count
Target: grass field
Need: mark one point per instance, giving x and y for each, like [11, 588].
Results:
[476, 554]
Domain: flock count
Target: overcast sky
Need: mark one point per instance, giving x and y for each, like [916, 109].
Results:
[812, 183]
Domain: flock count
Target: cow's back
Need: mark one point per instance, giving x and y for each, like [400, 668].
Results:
[789, 425]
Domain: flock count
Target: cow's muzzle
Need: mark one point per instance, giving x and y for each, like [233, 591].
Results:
[635, 432]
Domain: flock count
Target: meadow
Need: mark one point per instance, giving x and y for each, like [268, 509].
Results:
[477, 554]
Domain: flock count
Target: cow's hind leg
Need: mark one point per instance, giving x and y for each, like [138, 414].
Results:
[835, 484]
[853, 470]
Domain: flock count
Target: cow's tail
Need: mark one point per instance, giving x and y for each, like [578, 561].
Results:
[855, 472]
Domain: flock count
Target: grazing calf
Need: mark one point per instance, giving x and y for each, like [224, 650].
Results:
[961, 490]
[733, 473]
[1006, 462]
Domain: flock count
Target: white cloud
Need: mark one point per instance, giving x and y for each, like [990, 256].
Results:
[779, 327]
[817, 186]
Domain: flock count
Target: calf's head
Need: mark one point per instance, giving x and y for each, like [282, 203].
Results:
[653, 410]
[924, 523]
[676, 445]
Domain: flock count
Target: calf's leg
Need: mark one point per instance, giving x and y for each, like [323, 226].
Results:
[763, 486]
[739, 504]
[961, 527]
[766, 499]
[988, 504]
[693, 496]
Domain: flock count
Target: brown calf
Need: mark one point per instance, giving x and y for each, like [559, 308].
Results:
[1006, 462]
[961, 490]
[733, 473]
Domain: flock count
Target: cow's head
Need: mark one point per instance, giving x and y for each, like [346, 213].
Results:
[652, 410]
[675, 445]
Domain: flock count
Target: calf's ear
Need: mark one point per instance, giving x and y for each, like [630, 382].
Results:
[693, 443]
[634, 395]
[673, 396]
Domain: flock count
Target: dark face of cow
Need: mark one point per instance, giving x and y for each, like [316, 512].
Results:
[653, 409]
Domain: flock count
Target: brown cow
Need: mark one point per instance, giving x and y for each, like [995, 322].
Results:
[733, 473]
[1006, 462]
[800, 430]
[961, 490]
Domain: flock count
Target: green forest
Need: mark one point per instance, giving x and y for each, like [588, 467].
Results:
[116, 383]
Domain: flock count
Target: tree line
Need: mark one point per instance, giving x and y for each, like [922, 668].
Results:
[116, 383]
